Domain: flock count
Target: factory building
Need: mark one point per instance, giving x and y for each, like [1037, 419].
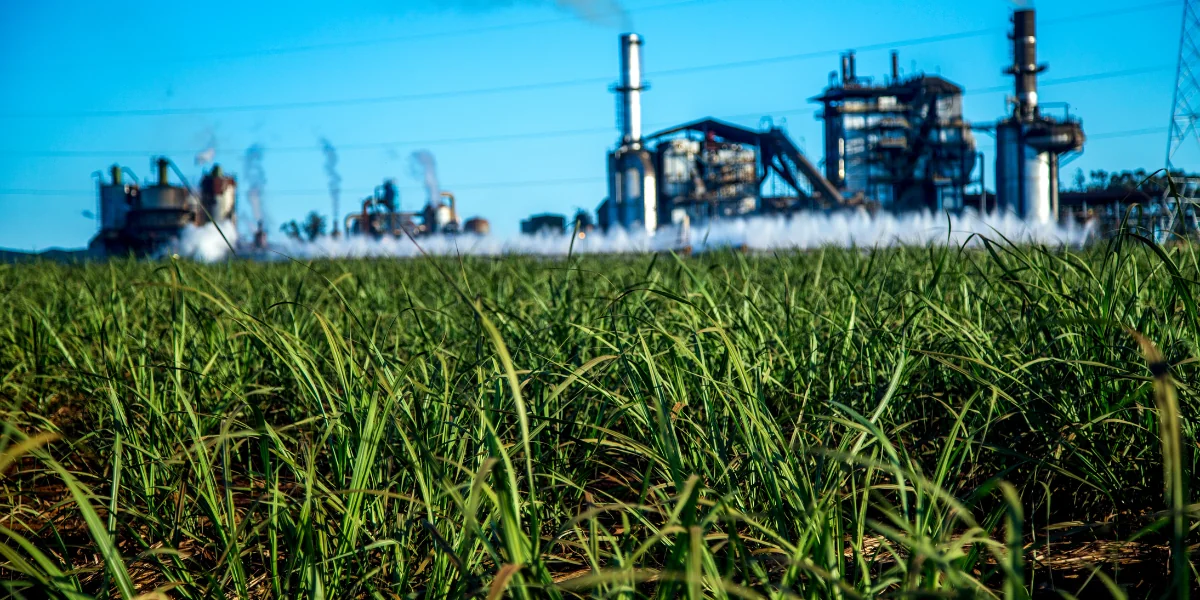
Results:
[381, 216]
[1030, 146]
[141, 219]
[901, 143]
[701, 170]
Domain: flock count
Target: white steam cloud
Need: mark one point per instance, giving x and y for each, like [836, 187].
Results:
[801, 232]
[209, 153]
[256, 179]
[206, 156]
[424, 167]
[205, 243]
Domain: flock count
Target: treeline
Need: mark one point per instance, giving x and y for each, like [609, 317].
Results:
[1147, 181]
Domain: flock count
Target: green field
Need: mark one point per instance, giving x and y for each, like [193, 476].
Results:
[901, 423]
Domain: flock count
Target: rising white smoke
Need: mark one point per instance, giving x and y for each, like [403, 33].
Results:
[424, 167]
[335, 180]
[801, 232]
[206, 156]
[205, 243]
[255, 178]
[209, 153]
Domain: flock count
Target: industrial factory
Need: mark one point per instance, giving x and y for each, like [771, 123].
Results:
[897, 143]
[381, 216]
[140, 219]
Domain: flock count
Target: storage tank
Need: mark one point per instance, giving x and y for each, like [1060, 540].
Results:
[477, 226]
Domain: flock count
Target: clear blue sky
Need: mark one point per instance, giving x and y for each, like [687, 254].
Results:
[67, 66]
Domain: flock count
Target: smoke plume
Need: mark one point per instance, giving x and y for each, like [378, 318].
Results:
[255, 178]
[209, 153]
[205, 156]
[608, 13]
[335, 180]
[424, 167]
[605, 13]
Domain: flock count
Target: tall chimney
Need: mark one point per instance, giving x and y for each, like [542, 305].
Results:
[853, 67]
[895, 66]
[162, 171]
[1025, 67]
[116, 174]
[845, 68]
[631, 88]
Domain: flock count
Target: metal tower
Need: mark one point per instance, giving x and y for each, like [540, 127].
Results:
[1180, 211]
[1187, 90]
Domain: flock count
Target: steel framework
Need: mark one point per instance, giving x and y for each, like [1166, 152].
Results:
[1187, 90]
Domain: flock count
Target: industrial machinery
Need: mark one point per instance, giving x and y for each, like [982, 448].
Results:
[544, 224]
[1030, 145]
[711, 169]
[381, 216]
[659, 179]
[557, 225]
[140, 220]
[902, 144]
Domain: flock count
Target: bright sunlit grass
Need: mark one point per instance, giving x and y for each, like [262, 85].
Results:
[1005, 421]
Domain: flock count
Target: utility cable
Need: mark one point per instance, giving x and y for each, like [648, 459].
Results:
[391, 99]
[562, 133]
[493, 184]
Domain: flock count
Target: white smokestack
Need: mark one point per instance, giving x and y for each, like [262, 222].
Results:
[631, 88]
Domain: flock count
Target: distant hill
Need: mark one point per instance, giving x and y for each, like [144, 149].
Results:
[53, 254]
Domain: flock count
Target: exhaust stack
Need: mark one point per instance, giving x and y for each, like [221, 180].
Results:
[162, 165]
[1025, 68]
[631, 88]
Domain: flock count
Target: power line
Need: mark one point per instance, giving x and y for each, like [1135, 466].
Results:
[483, 185]
[1077, 78]
[391, 99]
[502, 137]
[1127, 133]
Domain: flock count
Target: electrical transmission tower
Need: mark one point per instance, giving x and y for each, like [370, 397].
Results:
[1187, 90]
[1184, 115]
